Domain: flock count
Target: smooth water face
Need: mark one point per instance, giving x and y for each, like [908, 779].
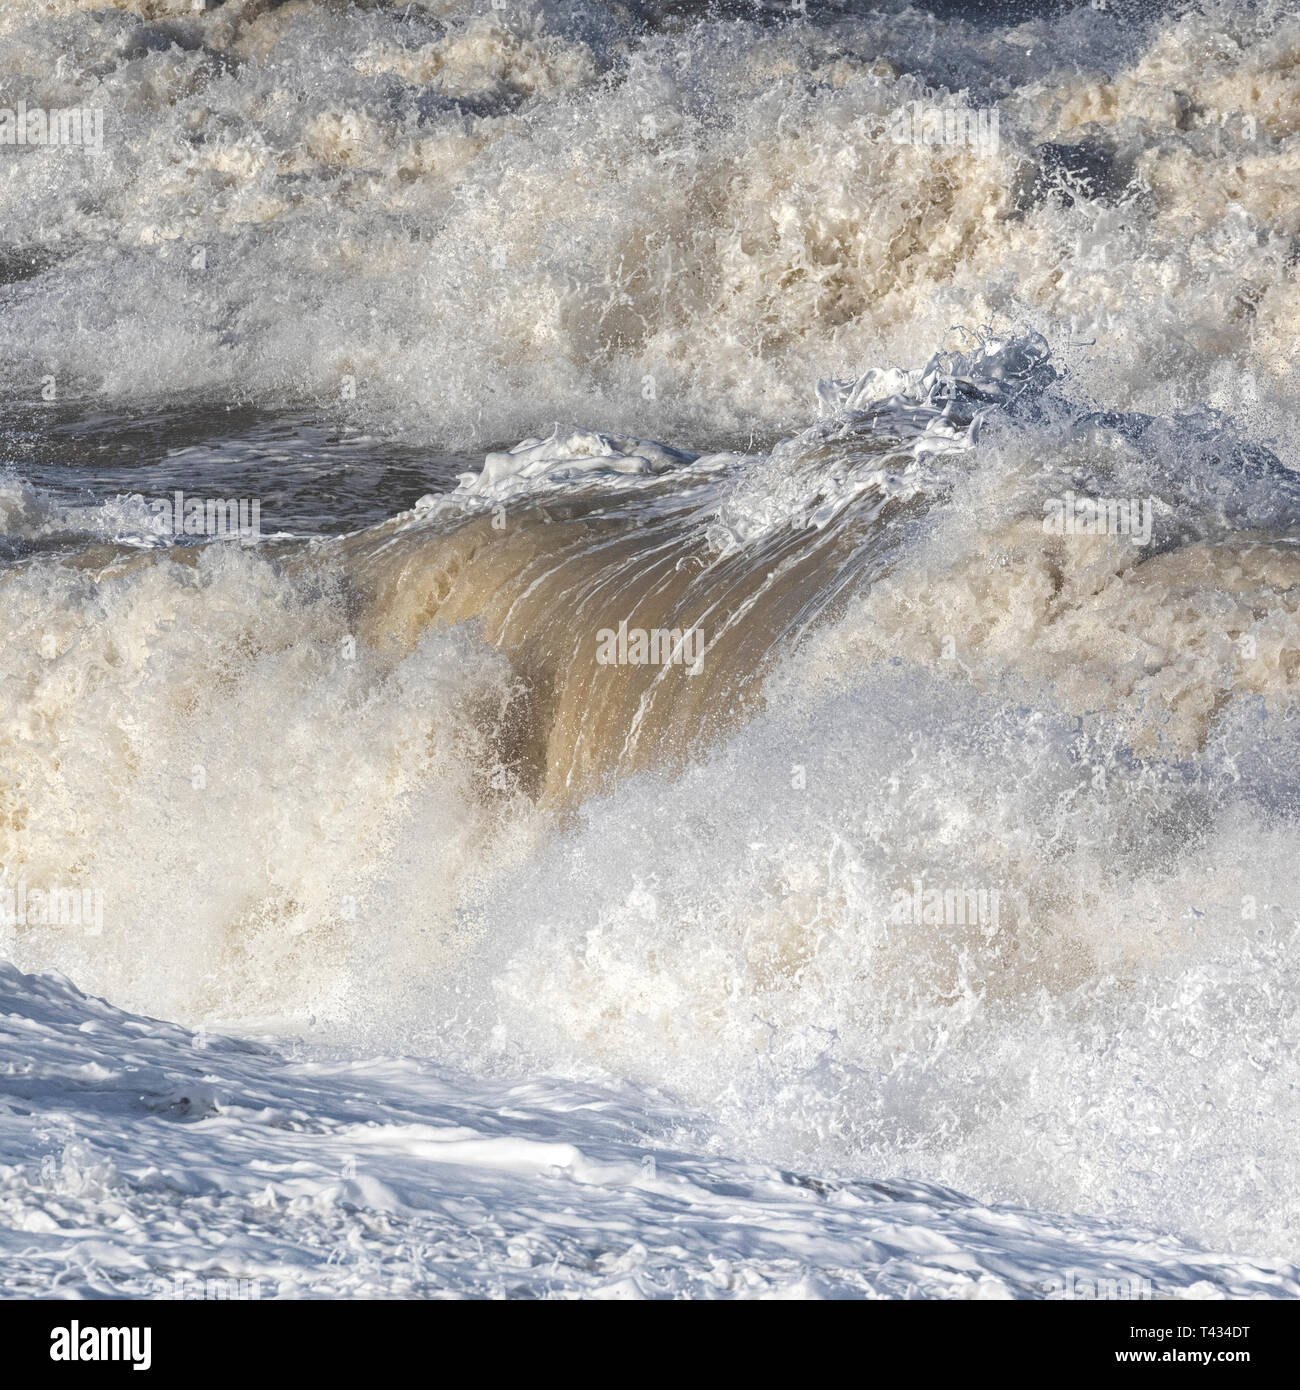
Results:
[311, 476]
[774, 577]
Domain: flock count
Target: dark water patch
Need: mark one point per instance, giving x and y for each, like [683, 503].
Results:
[18, 263]
[311, 476]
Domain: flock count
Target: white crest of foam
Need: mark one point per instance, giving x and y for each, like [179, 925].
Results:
[568, 250]
[568, 454]
[31, 514]
[947, 397]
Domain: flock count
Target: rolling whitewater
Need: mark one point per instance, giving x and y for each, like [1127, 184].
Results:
[649, 650]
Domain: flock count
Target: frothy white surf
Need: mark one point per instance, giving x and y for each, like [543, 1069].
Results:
[350, 819]
[969, 854]
[394, 1178]
[456, 224]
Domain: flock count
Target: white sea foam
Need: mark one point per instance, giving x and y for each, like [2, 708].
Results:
[562, 456]
[213, 1168]
[728, 934]
[457, 224]
[366, 790]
